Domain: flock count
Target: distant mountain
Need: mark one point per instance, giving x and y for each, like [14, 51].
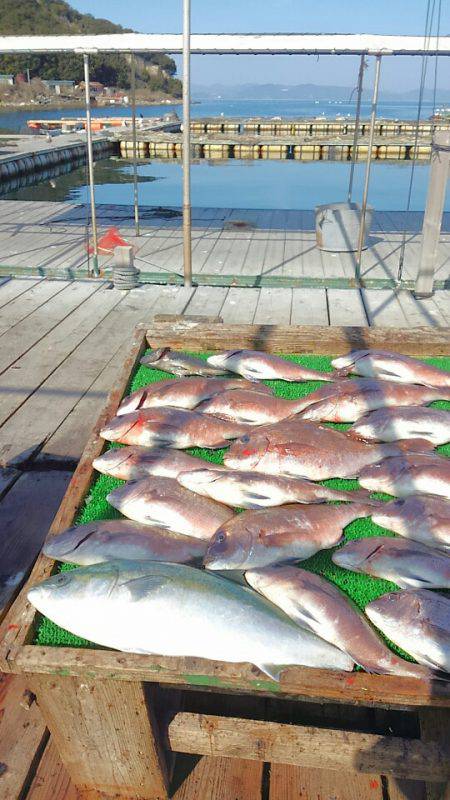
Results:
[21, 17]
[303, 91]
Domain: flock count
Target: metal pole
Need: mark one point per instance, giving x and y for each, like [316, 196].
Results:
[362, 65]
[187, 244]
[432, 221]
[90, 155]
[362, 225]
[133, 127]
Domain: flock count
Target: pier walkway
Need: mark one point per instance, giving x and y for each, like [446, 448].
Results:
[230, 246]
[62, 344]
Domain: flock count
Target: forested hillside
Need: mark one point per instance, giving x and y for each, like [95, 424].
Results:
[30, 17]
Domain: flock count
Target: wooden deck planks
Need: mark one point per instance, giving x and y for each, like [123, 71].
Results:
[240, 305]
[20, 338]
[55, 397]
[274, 307]
[22, 735]
[26, 512]
[34, 368]
[282, 243]
[309, 307]
[24, 305]
[346, 307]
[300, 783]
[51, 780]
[222, 779]
[14, 287]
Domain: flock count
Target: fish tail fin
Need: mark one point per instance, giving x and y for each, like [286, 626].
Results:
[415, 446]
[272, 670]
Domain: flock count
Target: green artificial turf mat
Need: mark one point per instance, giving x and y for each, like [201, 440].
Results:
[362, 589]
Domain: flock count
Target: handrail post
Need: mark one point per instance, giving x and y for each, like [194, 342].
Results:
[187, 243]
[362, 65]
[432, 221]
[90, 155]
[373, 115]
[133, 128]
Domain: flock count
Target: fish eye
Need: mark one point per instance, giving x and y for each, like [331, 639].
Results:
[245, 438]
[62, 579]
[220, 537]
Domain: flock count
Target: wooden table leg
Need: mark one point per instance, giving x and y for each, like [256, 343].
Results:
[435, 727]
[106, 736]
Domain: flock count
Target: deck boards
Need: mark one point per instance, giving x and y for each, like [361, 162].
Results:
[62, 346]
[271, 244]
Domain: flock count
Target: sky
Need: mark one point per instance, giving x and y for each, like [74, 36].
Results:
[286, 16]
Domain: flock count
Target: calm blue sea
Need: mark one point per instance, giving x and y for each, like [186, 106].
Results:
[238, 184]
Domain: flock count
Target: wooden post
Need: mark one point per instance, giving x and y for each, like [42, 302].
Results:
[432, 221]
[106, 736]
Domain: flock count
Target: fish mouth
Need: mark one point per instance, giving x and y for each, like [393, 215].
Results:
[108, 459]
[154, 356]
[117, 428]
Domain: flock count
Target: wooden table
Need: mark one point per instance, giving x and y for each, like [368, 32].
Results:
[116, 718]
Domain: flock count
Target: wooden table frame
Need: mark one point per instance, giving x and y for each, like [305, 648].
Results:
[99, 704]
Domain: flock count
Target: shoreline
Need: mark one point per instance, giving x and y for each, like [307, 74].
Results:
[7, 109]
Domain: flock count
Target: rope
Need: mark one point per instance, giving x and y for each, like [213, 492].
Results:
[427, 36]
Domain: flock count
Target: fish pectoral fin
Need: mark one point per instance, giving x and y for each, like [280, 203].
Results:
[272, 670]
[140, 587]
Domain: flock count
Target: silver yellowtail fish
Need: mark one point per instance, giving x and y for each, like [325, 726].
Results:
[409, 474]
[181, 364]
[348, 400]
[106, 540]
[133, 462]
[317, 605]
[289, 533]
[171, 427]
[176, 610]
[417, 621]
[414, 422]
[252, 408]
[257, 365]
[421, 517]
[162, 501]
[391, 366]
[408, 564]
[305, 449]
[185, 393]
[253, 490]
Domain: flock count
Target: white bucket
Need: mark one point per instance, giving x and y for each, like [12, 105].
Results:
[337, 226]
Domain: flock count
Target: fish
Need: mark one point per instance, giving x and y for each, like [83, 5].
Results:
[392, 424]
[407, 474]
[348, 400]
[250, 490]
[132, 462]
[289, 533]
[180, 364]
[185, 393]
[418, 621]
[390, 366]
[176, 610]
[251, 408]
[303, 449]
[408, 564]
[257, 365]
[171, 427]
[317, 605]
[106, 540]
[162, 501]
[423, 518]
